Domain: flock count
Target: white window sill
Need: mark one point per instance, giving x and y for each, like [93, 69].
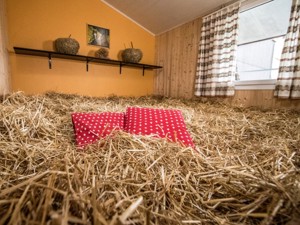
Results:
[255, 84]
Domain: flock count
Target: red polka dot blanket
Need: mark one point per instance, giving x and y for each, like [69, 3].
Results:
[163, 123]
[90, 127]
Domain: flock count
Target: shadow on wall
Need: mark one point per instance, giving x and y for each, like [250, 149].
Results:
[48, 45]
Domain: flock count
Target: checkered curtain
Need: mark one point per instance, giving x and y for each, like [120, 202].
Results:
[288, 81]
[216, 64]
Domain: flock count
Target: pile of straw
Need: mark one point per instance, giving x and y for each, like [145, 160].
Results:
[246, 170]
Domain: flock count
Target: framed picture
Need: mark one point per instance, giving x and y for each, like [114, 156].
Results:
[97, 36]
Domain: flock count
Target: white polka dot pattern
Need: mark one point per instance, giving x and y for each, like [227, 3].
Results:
[160, 122]
[90, 127]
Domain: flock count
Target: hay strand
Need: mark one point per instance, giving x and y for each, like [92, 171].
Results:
[245, 169]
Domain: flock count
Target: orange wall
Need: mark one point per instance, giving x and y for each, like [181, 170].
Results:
[37, 23]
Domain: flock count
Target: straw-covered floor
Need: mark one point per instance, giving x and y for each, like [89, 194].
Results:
[246, 170]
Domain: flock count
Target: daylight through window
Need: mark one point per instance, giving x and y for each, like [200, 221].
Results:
[261, 38]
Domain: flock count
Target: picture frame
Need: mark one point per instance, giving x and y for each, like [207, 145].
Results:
[98, 36]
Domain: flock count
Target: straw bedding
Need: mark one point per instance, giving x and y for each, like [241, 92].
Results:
[245, 169]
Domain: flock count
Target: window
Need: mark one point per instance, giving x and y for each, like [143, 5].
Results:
[261, 37]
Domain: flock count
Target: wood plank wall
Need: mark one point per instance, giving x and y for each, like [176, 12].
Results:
[263, 99]
[176, 51]
[4, 67]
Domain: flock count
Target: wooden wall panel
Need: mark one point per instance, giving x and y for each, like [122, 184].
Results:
[4, 65]
[177, 50]
[263, 99]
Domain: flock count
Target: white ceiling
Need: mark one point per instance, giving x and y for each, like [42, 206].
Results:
[158, 16]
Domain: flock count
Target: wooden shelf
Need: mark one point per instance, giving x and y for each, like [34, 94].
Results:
[87, 59]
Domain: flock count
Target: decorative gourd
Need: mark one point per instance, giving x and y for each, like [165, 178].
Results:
[67, 45]
[132, 55]
[102, 53]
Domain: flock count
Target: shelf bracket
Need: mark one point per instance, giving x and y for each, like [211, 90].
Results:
[121, 68]
[143, 70]
[49, 61]
[87, 65]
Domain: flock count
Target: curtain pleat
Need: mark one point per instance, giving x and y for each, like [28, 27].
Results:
[216, 64]
[288, 81]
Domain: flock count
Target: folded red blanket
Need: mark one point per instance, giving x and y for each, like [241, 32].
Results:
[90, 127]
[164, 123]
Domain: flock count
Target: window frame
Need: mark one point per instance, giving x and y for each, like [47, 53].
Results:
[266, 84]
[255, 84]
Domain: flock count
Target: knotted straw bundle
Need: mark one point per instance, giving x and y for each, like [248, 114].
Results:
[132, 55]
[67, 45]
